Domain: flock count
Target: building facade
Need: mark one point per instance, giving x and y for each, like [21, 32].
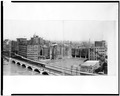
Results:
[46, 52]
[37, 49]
[99, 48]
[7, 47]
[33, 52]
[14, 47]
[100, 43]
[22, 46]
[59, 51]
[93, 52]
[80, 52]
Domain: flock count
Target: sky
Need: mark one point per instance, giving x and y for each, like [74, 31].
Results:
[59, 30]
[58, 21]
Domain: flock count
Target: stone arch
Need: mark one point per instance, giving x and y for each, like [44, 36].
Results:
[36, 70]
[45, 73]
[13, 61]
[29, 67]
[23, 65]
[18, 63]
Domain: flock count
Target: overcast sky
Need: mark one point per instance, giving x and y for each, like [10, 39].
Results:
[59, 30]
[58, 21]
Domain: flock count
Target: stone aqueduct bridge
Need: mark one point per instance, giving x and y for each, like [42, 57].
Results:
[41, 70]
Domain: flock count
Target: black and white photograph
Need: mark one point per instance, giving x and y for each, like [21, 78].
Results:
[63, 40]
[57, 48]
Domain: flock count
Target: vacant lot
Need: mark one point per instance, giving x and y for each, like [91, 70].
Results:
[66, 62]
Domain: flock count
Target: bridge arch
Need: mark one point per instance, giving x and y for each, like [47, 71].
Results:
[45, 73]
[30, 68]
[13, 62]
[36, 70]
[23, 65]
[18, 63]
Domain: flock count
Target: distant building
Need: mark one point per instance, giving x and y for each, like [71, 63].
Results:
[80, 52]
[59, 51]
[100, 43]
[6, 47]
[22, 46]
[90, 52]
[93, 55]
[100, 47]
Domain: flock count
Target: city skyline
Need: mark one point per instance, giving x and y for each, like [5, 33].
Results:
[55, 41]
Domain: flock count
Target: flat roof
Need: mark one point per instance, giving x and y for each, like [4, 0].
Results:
[90, 62]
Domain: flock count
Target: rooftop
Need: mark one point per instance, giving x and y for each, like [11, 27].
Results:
[90, 63]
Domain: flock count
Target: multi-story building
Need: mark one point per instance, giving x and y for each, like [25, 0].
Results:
[6, 44]
[33, 52]
[37, 50]
[100, 43]
[59, 51]
[81, 52]
[14, 46]
[93, 55]
[22, 46]
[6, 47]
[98, 48]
